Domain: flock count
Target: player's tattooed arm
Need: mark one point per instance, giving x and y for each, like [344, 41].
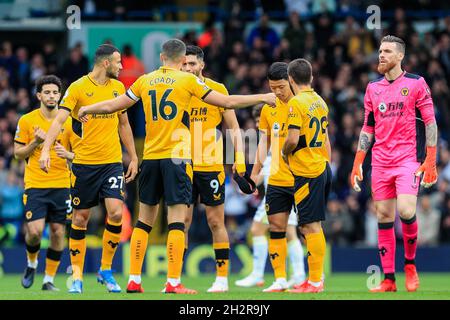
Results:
[365, 141]
[431, 134]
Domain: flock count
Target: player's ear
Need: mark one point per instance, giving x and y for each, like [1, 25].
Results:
[39, 96]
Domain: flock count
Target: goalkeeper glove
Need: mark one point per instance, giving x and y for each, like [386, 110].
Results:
[357, 171]
[428, 168]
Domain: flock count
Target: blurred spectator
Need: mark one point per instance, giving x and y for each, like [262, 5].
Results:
[301, 7]
[428, 219]
[132, 67]
[37, 68]
[371, 225]
[75, 66]
[11, 211]
[263, 38]
[23, 68]
[9, 61]
[338, 224]
[235, 211]
[295, 34]
[444, 232]
[50, 58]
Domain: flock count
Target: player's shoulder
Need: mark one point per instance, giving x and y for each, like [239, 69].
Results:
[296, 101]
[377, 80]
[80, 82]
[117, 84]
[215, 85]
[412, 76]
[264, 110]
[30, 116]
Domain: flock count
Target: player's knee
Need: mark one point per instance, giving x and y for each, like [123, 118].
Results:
[406, 212]
[215, 225]
[383, 213]
[34, 234]
[309, 228]
[80, 220]
[57, 231]
[115, 215]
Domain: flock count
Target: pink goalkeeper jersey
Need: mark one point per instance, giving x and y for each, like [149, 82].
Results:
[397, 112]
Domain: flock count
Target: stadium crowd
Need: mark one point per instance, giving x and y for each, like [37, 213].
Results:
[344, 56]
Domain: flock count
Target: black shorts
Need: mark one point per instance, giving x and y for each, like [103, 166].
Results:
[279, 199]
[311, 196]
[53, 204]
[90, 183]
[210, 186]
[171, 178]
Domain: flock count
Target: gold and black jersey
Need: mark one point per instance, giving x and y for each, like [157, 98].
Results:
[97, 141]
[58, 175]
[308, 112]
[166, 94]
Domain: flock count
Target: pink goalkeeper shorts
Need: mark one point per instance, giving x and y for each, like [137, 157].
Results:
[389, 182]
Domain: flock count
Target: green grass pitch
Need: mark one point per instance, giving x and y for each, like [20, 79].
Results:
[351, 286]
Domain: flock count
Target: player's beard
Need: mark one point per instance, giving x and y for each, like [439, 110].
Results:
[111, 74]
[385, 68]
[50, 107]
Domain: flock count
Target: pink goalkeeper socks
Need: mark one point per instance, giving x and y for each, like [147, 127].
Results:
[409, 228]
[386, 246]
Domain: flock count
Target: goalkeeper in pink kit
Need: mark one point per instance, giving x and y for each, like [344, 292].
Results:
[399, 114]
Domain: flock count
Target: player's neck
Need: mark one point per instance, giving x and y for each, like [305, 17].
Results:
[98, 75]
[49, 114]
[201, 77]
[394, 73]
[303, 87]
[172, 65]
[288, 98]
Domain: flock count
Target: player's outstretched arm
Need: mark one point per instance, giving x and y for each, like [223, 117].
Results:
[364, 143]
[108, 106]
[52, 134]
[239, 101]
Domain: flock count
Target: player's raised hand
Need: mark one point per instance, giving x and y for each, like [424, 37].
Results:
[132, 170]
[82, 115]
[270, 99]
[357, 171]
[39, 135]
[428, 169]
[44, 160]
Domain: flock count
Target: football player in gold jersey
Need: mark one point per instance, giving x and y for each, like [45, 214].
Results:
[97, 171]
[279, 199]
[47, 195]
[166, 169]
[307, 152]
[207, 159]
